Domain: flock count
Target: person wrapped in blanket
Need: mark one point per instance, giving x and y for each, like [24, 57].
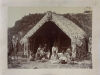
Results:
[41, 53]
[65, 57]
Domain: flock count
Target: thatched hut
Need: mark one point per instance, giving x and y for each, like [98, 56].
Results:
[54, 28]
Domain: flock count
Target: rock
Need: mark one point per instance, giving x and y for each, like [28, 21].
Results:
[35, 67]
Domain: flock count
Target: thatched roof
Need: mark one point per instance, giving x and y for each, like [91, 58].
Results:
[66, 25]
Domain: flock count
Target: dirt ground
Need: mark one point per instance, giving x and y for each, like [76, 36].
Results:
[25, 64]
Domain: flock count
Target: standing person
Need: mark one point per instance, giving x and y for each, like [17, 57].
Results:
[15, 46]
[90, 45]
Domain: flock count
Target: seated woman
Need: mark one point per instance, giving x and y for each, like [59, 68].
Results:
[54, 52]
[38, 53]
[41, 53]
[65, 57]
[62, 58]
[54, 56]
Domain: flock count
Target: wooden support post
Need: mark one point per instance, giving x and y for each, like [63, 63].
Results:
[73, 45]
[26, 48]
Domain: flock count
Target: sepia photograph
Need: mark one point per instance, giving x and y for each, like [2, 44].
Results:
[49, 38]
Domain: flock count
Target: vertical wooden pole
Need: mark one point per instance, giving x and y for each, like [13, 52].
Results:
[73, 45]
[26, 48]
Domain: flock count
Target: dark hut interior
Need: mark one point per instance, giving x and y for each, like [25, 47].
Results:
[49, 34]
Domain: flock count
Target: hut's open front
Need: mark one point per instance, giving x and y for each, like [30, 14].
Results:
[49, 34]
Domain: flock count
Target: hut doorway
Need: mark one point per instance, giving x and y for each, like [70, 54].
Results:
[49, 34]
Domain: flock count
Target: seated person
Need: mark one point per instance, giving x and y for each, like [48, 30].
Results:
[62, 58]
[65, 58]
[54, 56]
[54, 49]
[40, 53]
